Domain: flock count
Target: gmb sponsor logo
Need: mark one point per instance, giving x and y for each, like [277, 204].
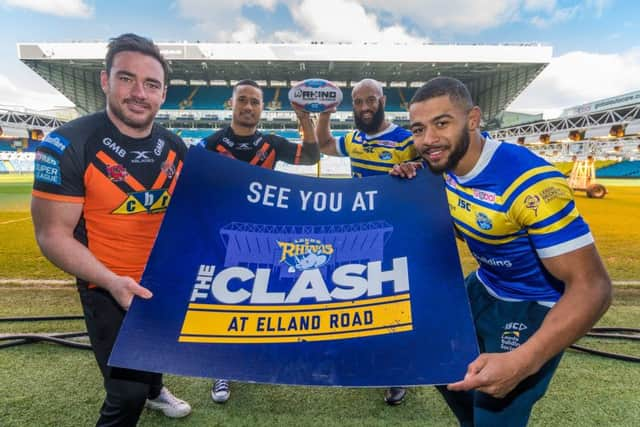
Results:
[113, 146]
[235, 285]
[305, 254]
[152, 201]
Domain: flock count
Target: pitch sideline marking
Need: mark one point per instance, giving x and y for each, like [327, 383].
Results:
[15, 220]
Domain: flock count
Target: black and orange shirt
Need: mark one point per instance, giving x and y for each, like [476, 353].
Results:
[257, 149]
[124, 185]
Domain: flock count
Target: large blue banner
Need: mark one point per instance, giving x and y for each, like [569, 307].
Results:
[269, 277]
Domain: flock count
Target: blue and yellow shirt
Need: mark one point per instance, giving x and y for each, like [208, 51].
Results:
[513, 209]
[376, 154]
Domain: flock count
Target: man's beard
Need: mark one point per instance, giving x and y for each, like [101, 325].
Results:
[376, 120]
[117, 111]
[456, 155]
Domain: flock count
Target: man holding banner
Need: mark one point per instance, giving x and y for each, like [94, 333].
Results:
[242, 141]
[540, 284]
[102, 184]
[374, 147]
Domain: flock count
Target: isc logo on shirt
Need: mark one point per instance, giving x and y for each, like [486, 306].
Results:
[151, 201]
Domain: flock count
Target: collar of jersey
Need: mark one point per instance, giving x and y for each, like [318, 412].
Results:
[489, 149]
[391, 128]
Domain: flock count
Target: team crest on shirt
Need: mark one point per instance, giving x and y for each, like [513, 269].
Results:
[532, 202]
[168, 168]
[262, 155]
[510, 338]
[117, 173]
[483, 221]
[385, 155]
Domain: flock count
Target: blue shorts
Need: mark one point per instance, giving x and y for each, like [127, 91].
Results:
[501, 326]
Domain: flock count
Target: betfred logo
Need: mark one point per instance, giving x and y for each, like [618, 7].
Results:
[485, 196]
[450, 181]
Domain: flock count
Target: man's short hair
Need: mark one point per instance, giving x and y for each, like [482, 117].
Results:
[441, 86]
[247, 82]
[130, 42]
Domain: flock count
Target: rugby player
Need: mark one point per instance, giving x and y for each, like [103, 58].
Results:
[373, 148]
[540, 284]
[241, 140]
[102, 184]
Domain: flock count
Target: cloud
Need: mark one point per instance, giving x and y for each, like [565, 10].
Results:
[598, 5]
[546, 5]
[558, 16]
[222, 20]
[11, 96]
[457, 16]
[68, 8]
[344, 20]
[577, 78]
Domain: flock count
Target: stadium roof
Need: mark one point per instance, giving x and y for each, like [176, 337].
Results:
[495, 74]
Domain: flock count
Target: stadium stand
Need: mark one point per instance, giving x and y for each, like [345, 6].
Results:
[175, 97]
[626, 169]
[16, 162]
[215, 98]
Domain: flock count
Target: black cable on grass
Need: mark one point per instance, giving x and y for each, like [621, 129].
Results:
[58, 338]
[19, 339]
[607, 354]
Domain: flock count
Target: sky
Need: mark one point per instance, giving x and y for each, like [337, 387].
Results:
[596, 43]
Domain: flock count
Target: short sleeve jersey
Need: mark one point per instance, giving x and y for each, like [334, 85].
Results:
[257, 149]
[124, 185]
[376, 154]
[514, 209]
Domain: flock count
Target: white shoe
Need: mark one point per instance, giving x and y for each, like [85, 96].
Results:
[220, 391]
[170, 405]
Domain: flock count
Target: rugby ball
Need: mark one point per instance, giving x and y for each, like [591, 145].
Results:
[315, 95]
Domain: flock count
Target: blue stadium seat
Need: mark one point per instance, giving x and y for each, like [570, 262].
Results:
[626, 169]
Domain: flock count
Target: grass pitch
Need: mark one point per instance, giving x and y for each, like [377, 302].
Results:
[43, 384]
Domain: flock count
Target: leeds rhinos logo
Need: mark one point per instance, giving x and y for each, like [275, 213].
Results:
[305, 254]
[151, 201]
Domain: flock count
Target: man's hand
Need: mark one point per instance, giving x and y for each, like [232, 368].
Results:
[495, 374]
[405, 170]
[123, 290]
[327, 113]
[301, 113]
